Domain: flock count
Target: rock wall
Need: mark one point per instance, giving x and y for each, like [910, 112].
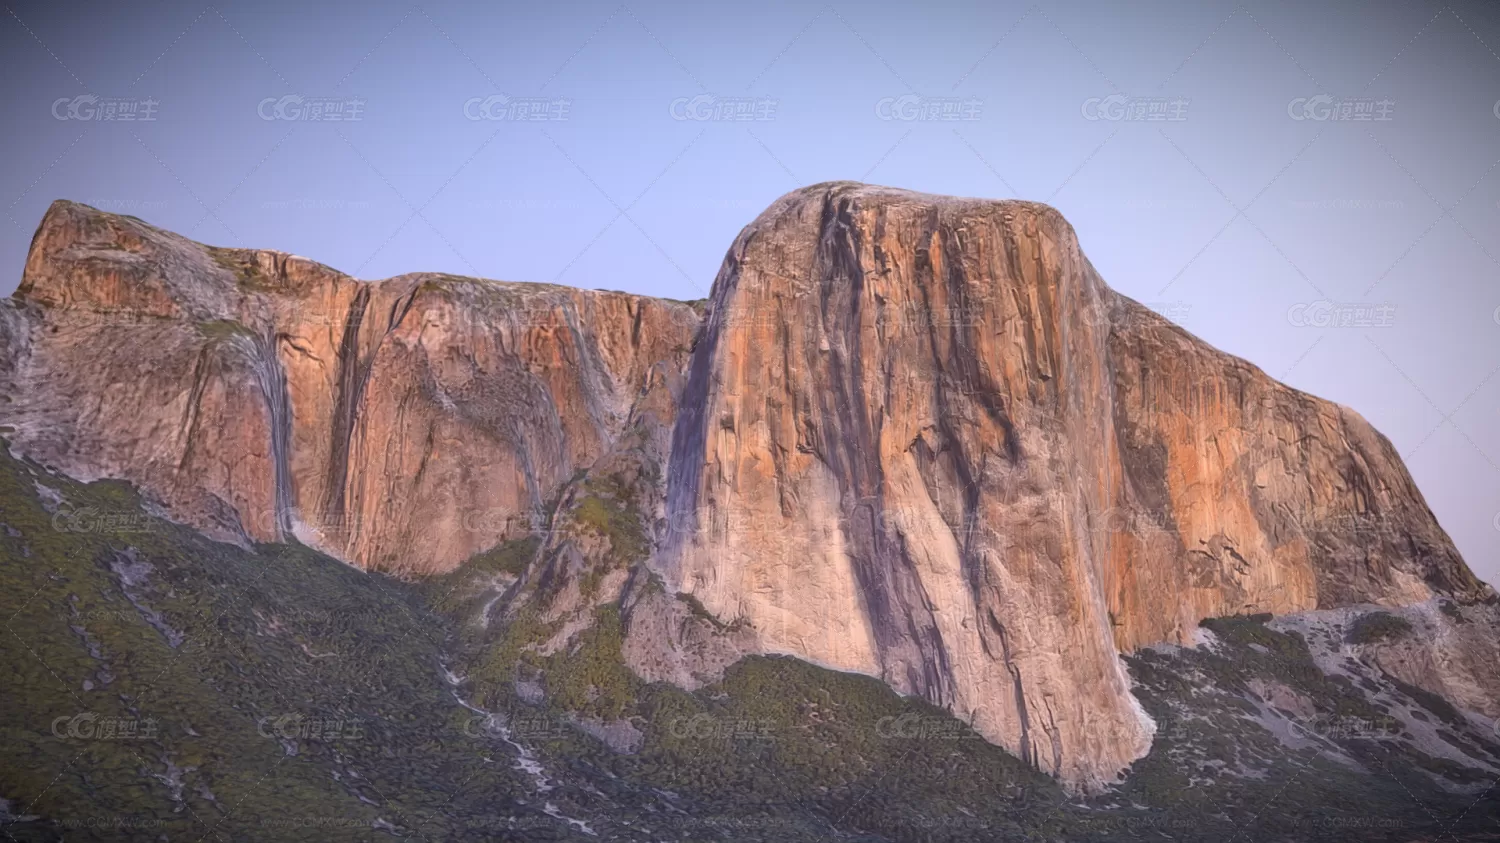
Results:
[402, 425]
[912, 436]
[922, 440]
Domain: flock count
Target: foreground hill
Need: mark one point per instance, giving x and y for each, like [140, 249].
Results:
[160, 684]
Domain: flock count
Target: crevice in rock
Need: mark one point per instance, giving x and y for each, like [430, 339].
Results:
[353, 373]
[260, 352]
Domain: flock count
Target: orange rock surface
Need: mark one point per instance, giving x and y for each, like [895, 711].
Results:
[912, 436]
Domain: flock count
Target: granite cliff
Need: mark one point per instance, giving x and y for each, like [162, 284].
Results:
[922, 440]
[912, 437]
[401, 425]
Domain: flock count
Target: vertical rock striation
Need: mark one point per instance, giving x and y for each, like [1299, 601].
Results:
[401, 425]
[911, 436]
[922, 440]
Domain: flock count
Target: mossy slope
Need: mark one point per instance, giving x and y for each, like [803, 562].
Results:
[295, 698]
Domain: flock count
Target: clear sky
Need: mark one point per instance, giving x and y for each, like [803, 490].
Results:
[1199, 148]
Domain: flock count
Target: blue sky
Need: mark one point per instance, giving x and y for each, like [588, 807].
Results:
[1196, 147]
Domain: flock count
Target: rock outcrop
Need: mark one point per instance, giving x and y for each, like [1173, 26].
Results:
[922, 440]
[401, 425]
[911, 436]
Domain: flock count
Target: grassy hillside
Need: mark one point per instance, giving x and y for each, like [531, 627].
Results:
[160, 683]
[157, 685]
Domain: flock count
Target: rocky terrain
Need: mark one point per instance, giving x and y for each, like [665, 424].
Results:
[163, 685]
[401, 425]
[908, 437]
[922, 440]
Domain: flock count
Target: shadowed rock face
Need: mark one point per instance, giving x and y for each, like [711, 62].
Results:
[913, 436]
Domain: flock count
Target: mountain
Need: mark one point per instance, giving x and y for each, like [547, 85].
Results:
[401, 425]
[976, 472]
[1110, 580]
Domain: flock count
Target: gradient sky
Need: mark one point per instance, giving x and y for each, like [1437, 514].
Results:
[1246, 214]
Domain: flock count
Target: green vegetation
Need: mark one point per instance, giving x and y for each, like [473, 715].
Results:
[1210, 723]
[233, 653]
[222, 329]
[207, 653]
[698, 610]
[613, 521]
[240, 264]
[590, 677]
[1378, 626]
[608, 510]
[460, 592]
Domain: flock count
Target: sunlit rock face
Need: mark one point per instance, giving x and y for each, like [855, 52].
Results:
[400, 425]
[922, 440]
[911, 436]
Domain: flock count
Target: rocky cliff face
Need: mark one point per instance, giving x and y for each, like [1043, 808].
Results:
[912, 436]
[922, 440]
[401, 425]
